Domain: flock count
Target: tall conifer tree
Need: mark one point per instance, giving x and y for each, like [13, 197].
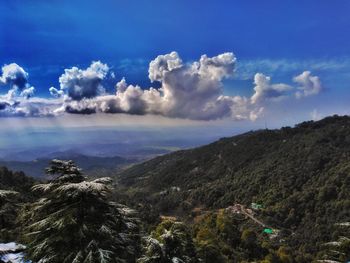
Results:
[74, 220]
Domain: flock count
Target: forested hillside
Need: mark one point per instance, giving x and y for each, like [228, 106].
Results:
[300, 176]
[16, 181]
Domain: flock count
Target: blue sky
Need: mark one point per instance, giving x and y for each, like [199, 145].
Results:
[48, 36]
[290, 60]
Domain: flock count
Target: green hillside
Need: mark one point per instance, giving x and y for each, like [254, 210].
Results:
[300, 176]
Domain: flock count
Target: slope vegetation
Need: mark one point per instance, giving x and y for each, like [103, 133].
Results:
[300, 176]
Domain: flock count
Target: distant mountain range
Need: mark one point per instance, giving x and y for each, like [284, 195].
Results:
[91, 165]
[28, 145]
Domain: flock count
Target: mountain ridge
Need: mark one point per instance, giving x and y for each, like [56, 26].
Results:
[92, 165]
[300, 175]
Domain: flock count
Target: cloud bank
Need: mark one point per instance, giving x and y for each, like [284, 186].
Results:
[187, 90]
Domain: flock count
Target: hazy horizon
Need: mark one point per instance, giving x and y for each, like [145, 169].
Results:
[98, 78]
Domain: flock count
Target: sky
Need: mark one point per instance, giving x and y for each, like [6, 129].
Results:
[236, 65]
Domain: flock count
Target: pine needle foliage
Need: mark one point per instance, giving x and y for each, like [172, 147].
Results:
[171, 242]
[74, 221]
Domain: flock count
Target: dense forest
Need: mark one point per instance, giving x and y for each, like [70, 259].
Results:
[263, 196]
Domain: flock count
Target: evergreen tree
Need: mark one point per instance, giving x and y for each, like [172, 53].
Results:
[170, 242]
[74, 221]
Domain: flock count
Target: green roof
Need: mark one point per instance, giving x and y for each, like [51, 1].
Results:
[268, 231]
[256, 206]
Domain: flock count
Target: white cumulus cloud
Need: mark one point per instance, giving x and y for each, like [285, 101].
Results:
[193, 90]
[79, 84]
[308, 84]
[264, 90]
[14, 76]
